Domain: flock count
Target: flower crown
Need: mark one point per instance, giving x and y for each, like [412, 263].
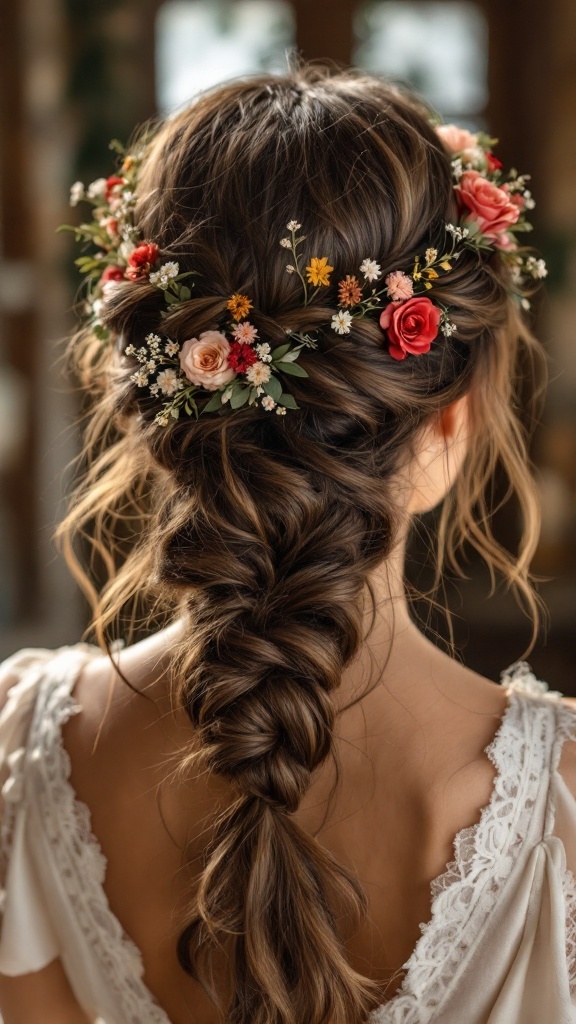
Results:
[226, 369]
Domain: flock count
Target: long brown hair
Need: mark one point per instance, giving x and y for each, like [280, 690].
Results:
[263, 531]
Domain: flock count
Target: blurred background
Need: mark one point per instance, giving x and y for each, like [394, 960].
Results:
[76, 73]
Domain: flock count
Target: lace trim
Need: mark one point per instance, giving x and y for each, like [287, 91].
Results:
[82, 863]
[566, 730]
[484, 855]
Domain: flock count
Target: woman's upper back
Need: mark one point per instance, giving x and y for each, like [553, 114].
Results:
[396, 833]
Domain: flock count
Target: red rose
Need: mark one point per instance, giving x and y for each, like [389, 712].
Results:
[111, 184]
[494, 164]
[489, 206]
[141, 261]
[112, 274]
[411, 326]
[241, 356]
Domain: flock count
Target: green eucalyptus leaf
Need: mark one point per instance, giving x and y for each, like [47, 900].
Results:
[185, 294]
[291, 357]
[292, 369]
[280, 351]
[288, 401]
[214, 403]
[273, 387]
[239, 397]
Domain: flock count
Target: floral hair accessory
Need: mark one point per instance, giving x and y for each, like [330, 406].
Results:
[220, 370]
[230, 367]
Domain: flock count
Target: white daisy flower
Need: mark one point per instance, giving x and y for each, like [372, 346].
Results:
[258, 373]
[293, 225]
[168, 382]
[77, 192]
[268, 403]
[171, 348]
[341, 322]
[97, 189]
[370, 269]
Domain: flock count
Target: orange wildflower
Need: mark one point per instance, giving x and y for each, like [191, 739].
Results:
[319, 271]
[239, 306]
[349, 291]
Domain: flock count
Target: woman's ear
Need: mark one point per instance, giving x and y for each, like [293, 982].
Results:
[439, 457]
[454, 420]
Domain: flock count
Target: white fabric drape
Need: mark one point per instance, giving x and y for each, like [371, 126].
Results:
[500, 947]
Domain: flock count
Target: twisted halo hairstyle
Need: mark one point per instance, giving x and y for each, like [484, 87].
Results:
[262, 531]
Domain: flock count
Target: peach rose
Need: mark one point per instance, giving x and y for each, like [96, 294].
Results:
[457, 139]
[204, 360]
[489, 206]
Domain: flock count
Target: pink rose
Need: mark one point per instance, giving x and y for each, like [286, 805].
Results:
[489, 206]
[457, 139]
[399, 286]
[204, 360]
[411, 326]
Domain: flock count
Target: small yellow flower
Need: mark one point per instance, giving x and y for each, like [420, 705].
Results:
[319, 271]
[239, 306]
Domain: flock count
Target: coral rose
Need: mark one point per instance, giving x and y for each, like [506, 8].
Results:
[204, 360]
[411, 326]
[457, 139]
[112, 273]
[141, 261]
[484, 203]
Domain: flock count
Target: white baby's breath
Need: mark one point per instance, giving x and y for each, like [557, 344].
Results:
[96, 189]
[268, 403]
[77, 193]
[263, 351]
[370, 269]
[168, 382]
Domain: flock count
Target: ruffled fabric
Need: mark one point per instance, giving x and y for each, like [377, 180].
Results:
[500, 945]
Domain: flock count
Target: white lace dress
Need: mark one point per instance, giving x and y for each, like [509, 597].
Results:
[500, 947]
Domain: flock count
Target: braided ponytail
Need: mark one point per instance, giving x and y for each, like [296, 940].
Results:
[271, 571]
[263, 531]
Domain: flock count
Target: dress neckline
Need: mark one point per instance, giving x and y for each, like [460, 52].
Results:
[475, 853]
